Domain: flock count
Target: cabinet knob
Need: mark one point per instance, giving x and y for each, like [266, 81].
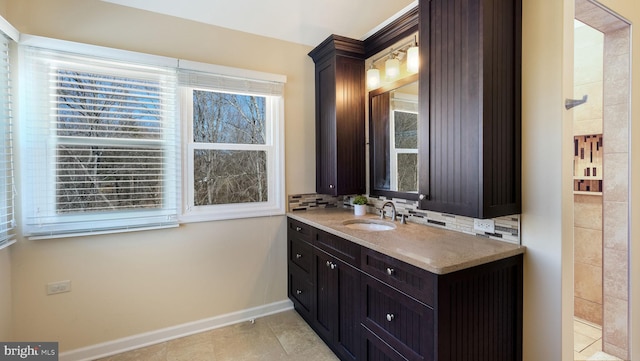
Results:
[390, 271]
[331, 186]
[328, 263]
[334, 266]
[390, 317]
[298, 292]
[298, 255]
[422, 196]
[298, 229]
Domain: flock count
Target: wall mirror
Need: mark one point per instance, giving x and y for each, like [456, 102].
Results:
[393, 139]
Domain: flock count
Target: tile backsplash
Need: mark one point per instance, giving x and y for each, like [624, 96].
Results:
[507, 228]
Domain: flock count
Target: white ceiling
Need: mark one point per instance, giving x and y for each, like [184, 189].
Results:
[299, 21]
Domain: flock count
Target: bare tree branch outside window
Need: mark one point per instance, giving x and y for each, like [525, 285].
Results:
[223, 176]
[108, 152]
[406, 138]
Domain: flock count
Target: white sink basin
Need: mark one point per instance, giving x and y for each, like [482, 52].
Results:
[369, 225]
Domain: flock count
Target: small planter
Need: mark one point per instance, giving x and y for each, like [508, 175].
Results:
[359, 209]
[360, 205]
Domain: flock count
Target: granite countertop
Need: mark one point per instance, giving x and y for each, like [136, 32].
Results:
[436, 250]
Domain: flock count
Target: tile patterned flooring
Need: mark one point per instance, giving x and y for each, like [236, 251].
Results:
[282, 336]
[285, 336]
[587, 342]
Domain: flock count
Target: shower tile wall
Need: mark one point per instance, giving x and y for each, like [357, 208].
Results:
[613, 243]
[588, 257]
[588, 221]
[615, 338]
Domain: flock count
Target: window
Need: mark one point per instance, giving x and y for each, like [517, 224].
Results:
[118, 141]
[404, 142]
[7, 221]
[234, 154]
[101, 141]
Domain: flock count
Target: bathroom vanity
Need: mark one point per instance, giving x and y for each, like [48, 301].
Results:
[411, 292]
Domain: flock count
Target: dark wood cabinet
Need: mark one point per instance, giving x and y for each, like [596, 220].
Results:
[340, 123]
[301, 288]
[470, 98]
[337, 304]
[369, 306]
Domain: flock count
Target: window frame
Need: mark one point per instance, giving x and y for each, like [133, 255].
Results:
[7, 169]
[120, 64]
[274, 148]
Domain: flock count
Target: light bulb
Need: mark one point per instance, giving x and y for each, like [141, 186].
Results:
[373, 78]
[392, 68]
[413, 60]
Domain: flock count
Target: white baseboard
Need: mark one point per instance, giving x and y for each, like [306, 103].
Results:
[150, 338]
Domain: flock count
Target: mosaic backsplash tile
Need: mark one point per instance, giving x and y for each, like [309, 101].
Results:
[507, 228]
[310, 201]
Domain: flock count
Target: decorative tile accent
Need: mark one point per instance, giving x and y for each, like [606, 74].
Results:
[311, 201]
[507, 229]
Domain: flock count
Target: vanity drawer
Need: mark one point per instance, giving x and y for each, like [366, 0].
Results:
[299, 230]
[300, 254]
[340, 248]
[301, 293]
[407, 278]
[399, 320]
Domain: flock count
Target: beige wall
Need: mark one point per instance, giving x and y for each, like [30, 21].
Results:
[5, 294]
[542, 172]
[127, 284]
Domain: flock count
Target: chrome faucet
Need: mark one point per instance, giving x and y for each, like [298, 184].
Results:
[393, 210]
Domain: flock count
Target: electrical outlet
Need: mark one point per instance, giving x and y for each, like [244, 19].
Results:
[58, 287]
[484, 225]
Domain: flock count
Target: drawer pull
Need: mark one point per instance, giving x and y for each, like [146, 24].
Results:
[390, 317]
[331, 265]
[298, 229]
[298, 255]
[390, 271]
[298, 292]
[328, 263]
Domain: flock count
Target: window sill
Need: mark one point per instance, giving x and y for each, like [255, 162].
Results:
[6, 245]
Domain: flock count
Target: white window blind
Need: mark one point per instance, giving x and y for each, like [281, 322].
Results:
[101, 144]
[7, 191]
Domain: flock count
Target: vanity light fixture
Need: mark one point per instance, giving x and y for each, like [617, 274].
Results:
[373, 77]
[392, 67]
[413, 59]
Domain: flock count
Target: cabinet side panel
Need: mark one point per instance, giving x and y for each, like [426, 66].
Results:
[482, 314]
[501, 113]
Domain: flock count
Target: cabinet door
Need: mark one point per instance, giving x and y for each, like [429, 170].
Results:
[470, 99]
[326, 136]
[340, 138]
[337, 304]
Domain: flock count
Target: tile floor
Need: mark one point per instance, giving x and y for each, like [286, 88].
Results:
[587, 342]
[282, 336]
[285, 336]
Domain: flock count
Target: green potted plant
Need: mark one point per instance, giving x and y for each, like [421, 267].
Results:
[360, 205]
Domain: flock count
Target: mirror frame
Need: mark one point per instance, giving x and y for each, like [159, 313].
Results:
[373, 139]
